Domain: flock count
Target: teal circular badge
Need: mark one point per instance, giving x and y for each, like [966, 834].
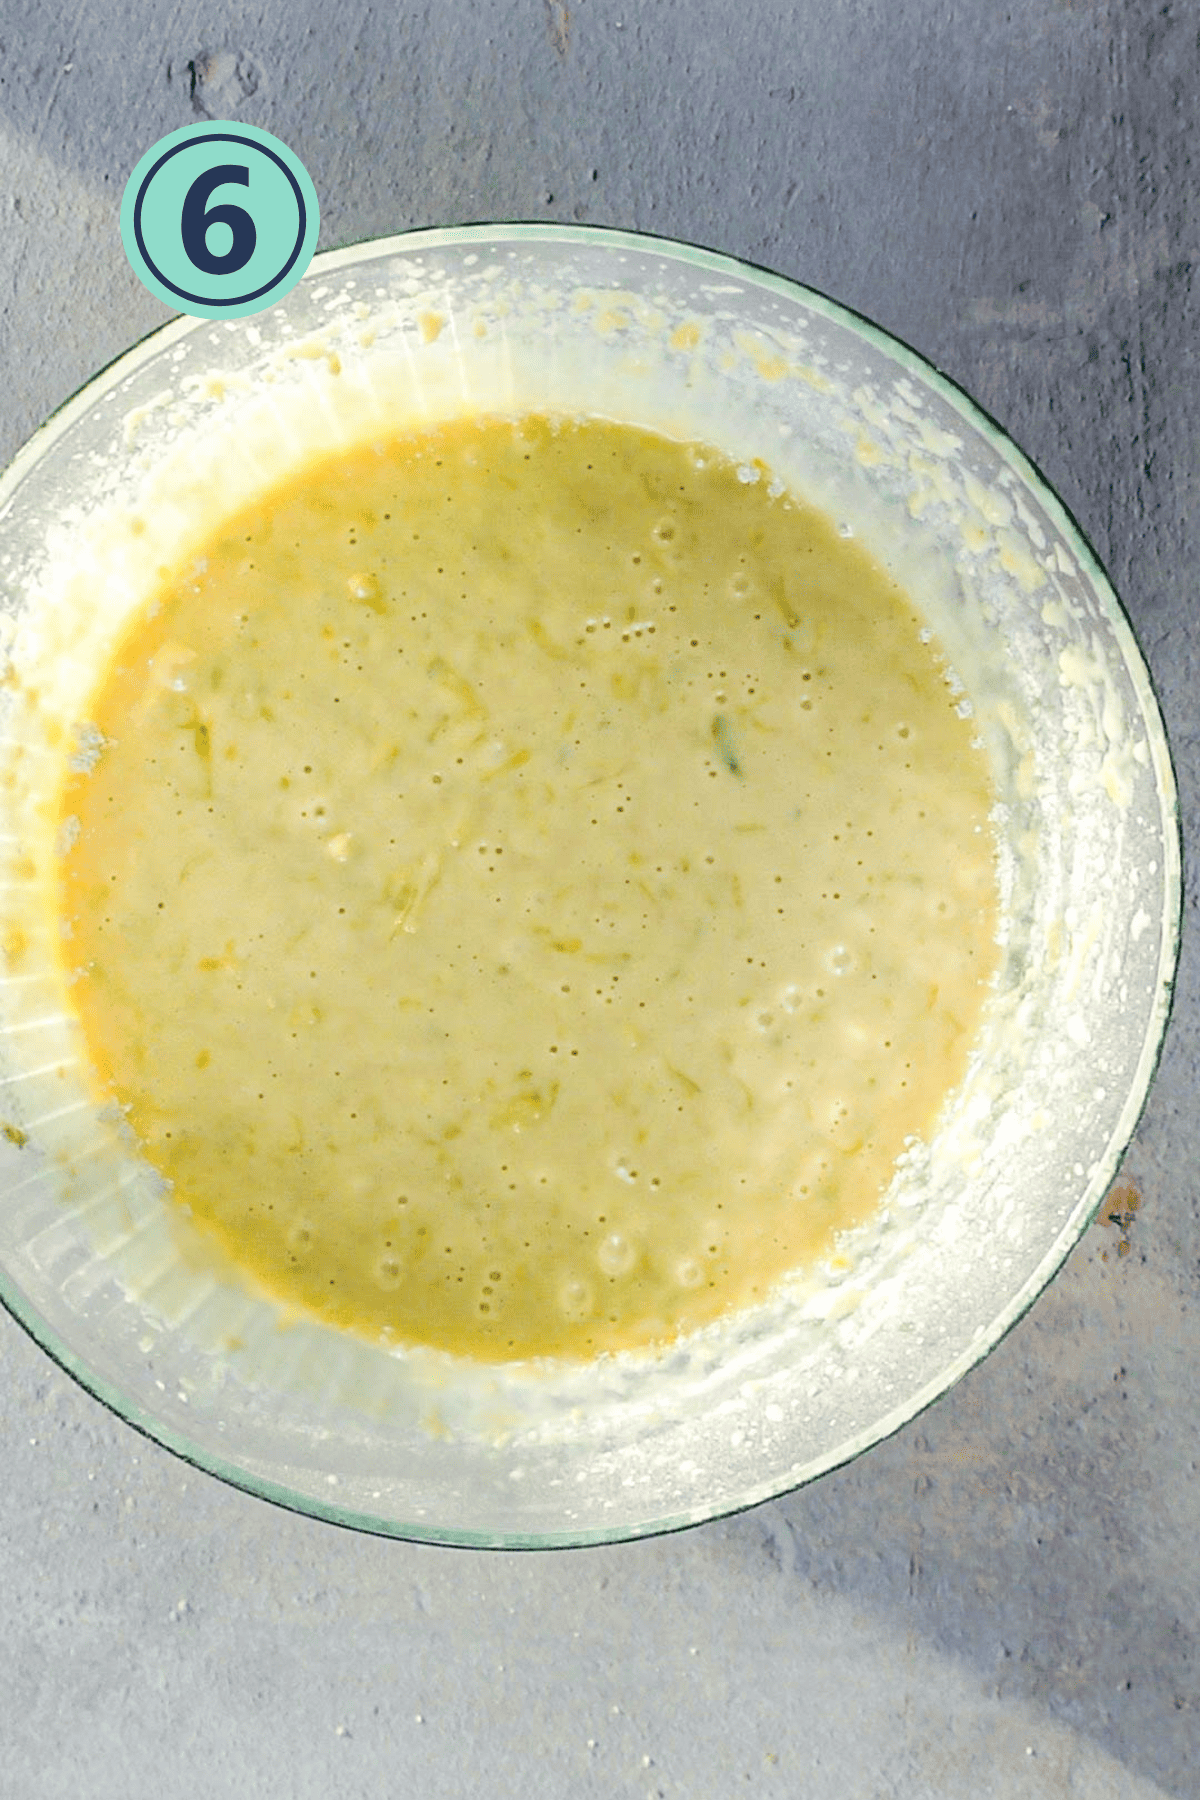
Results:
[220, 220]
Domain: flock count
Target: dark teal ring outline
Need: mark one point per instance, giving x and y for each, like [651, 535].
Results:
[218, 137]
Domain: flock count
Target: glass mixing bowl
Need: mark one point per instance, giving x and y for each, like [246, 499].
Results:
[96, 1263]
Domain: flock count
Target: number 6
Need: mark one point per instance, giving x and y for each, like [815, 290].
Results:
[196, 220]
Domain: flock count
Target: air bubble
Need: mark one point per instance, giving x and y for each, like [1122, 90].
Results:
[617, 1254]
[688, 1272]
[365, 587]
[389, 1270]
[575, 1298]
[840, 960]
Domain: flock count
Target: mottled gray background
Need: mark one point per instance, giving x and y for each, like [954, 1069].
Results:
[1004, 1599]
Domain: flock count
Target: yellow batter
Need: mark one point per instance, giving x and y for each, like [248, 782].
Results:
[535, 881]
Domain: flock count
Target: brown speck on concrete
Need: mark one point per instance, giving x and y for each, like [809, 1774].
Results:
[1120, 1207]
[558, 19]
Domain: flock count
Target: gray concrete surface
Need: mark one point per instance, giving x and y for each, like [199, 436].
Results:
[1005, 1599]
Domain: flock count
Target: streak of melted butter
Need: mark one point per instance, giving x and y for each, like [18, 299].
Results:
[533, 886]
